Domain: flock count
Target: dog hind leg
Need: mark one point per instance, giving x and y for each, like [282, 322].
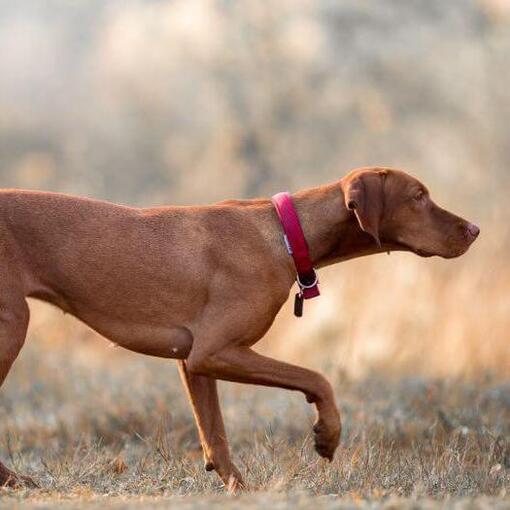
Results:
[14, 315]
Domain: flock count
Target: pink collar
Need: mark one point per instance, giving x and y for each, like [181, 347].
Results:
[295, 241]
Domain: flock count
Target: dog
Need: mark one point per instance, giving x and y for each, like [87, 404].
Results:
[202, 284]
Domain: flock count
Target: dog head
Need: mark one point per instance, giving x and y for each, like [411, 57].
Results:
[397, 211]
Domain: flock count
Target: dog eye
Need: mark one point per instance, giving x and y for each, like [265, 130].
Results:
[419, 196]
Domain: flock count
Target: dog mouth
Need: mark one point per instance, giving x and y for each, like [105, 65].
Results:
[392, 246]
[421, 252]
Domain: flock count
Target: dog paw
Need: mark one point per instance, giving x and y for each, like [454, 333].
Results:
[327, 437]
[233, 480]
[235, 484]
[229, 474]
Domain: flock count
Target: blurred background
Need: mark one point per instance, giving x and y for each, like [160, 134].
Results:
[192, 101]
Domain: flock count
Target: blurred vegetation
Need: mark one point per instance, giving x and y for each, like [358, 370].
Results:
[192, 101]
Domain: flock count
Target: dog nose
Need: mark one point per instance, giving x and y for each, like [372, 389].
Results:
[473, 230]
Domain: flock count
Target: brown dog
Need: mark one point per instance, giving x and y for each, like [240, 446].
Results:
[204, 284]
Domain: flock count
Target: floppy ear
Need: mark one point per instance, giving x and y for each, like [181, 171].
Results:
[364, 195]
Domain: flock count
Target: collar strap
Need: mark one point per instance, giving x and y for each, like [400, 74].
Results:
[297, 247]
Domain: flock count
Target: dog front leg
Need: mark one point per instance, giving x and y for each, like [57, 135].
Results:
[203, 395]
[243, 365]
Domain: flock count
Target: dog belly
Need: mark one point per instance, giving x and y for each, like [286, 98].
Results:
[134, 332]
[163, 342]
[154, 340]
[172, 342]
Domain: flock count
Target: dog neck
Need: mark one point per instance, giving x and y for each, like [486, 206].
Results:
[331, 230]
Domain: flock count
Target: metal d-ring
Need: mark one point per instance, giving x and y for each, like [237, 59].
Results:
[313, 284]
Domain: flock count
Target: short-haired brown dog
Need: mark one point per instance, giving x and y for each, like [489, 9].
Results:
[204, 284]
